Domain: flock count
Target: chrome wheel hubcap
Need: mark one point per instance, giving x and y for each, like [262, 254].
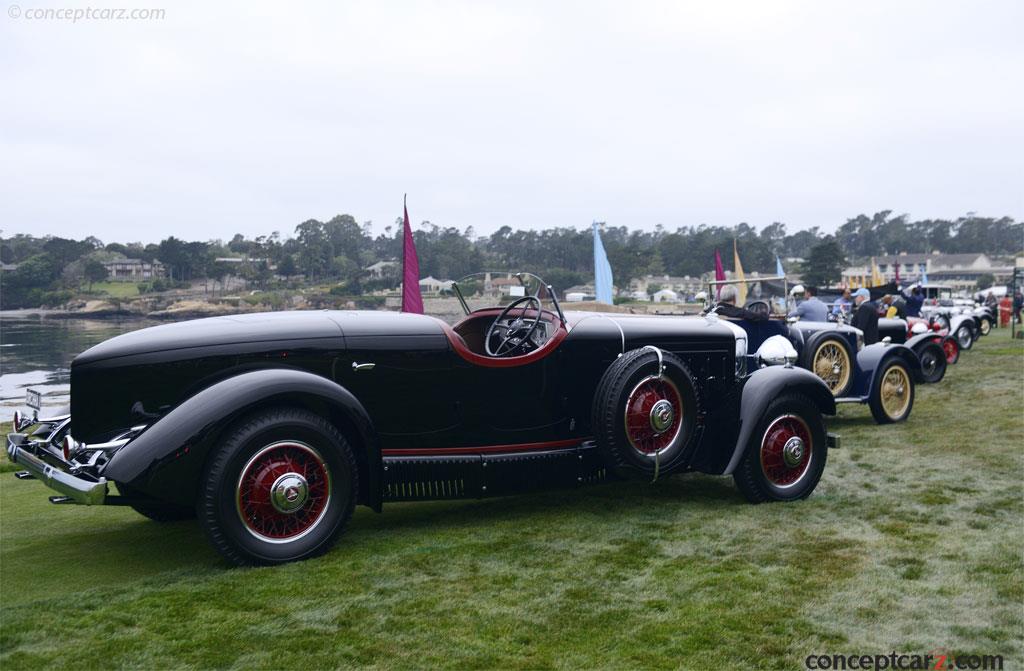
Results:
[793, 452]
[289, 492]
[662, 416]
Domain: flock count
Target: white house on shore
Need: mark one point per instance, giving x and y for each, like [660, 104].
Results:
[383, 269]
[430, 286]
[665, 296]
[133, 270]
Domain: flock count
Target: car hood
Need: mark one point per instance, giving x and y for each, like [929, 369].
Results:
[264, 327]
[212, 331]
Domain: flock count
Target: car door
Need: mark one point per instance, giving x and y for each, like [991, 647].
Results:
[513, 405]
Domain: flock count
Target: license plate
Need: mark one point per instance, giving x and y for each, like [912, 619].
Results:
[33, 399]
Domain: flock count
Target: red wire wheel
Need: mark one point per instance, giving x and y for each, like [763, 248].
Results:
[283, 492]
[654, 415]
[952, 350]
[786, 451]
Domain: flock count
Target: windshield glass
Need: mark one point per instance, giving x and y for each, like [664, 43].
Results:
[771, 291]
[497, 289]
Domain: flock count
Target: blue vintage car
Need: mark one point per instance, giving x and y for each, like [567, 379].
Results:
[881, 375]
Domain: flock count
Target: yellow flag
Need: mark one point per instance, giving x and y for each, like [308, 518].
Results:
[741, 286]
[876, 277]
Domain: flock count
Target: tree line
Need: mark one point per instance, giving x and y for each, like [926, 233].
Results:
[339, 250]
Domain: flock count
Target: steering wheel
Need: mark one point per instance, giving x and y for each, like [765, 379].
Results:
[517, 332]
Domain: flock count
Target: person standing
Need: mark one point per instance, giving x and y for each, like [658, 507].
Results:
[893, 307]
[992, 303]
[866, 316]
[914, 301]
[842, 304]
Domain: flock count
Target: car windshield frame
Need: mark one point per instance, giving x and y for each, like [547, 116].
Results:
[531, 283]
[713, 284]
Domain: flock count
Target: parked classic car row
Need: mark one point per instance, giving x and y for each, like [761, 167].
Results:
[270, 428]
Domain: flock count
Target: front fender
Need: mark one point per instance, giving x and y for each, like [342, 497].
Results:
[927, 336]
[958, 320]
[872, 359]
[166, 461]
[763, 387]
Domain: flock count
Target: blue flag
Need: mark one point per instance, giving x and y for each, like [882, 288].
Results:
[602, 271]
[778, 267]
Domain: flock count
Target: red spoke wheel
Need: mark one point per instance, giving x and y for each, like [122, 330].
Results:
[280, 486]
[654, 415]
[952, 350]
[283, 492]
[786, 451]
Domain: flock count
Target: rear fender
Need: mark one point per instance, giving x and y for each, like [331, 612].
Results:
[873, 358]
[763, 387]
[166, 461]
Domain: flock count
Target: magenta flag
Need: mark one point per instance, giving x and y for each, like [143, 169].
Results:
[719, 274]
[412, 300]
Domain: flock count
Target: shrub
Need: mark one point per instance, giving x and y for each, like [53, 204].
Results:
[55, 298]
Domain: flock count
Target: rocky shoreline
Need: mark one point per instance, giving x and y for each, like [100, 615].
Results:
[105, 310]
[446, 308]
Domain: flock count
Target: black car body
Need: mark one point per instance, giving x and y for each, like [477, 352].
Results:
[416, 409]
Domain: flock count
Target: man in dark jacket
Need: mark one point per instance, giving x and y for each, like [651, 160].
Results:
[727, 306]
[914, 301]
[866, 316]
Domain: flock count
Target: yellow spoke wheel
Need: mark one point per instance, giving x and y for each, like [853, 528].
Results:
[895, 392]
[832, 364]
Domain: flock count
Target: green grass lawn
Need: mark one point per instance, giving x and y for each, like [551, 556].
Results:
[912, 542]
[116, 289]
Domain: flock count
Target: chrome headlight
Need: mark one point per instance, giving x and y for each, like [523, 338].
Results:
[776, 351]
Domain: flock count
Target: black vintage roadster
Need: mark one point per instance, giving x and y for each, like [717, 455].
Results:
[272, 427]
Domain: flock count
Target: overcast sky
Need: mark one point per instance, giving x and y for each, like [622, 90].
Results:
[253, 118]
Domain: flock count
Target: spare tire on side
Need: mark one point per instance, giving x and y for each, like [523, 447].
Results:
[645, 418]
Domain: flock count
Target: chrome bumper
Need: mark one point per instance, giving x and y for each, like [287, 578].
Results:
[80, 490]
